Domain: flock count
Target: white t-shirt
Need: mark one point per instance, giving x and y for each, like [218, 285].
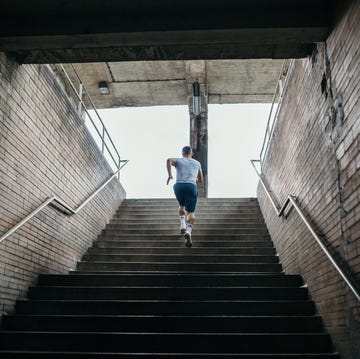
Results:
[187, 170]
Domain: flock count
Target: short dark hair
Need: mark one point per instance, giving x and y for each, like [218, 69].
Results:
[186, 150]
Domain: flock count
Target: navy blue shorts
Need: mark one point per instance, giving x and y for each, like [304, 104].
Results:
[186, 194]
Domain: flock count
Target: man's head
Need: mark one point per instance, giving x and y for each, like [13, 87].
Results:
[187, 151]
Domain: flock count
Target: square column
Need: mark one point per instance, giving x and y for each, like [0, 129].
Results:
[197, 101]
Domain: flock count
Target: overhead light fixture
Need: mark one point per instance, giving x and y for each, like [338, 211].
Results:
[103, 88]
[196, 99]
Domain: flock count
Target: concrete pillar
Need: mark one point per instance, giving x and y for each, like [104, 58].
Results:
[199, 144]
[196, 73]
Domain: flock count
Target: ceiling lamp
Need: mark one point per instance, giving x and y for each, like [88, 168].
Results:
[103, 88]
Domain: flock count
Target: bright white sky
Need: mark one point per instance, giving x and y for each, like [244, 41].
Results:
[148, 136]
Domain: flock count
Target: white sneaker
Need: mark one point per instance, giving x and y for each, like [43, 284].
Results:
[188, 242]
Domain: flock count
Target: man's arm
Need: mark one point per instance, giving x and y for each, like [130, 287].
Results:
[170, 162]
[200, 177]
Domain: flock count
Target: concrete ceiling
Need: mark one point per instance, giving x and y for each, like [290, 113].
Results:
[150, 52]
[43, 31]
[150, 83]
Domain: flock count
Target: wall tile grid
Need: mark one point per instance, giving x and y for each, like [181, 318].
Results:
[45, 150]
[315, 155]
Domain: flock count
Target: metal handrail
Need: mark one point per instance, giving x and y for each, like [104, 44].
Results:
[65, 208]
[104, 130]
[95, 109]
[292, 199]
[269, 129]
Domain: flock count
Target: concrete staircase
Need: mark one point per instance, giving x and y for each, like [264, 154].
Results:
[139, 293]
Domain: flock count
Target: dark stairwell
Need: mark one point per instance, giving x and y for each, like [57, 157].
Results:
[139, 293]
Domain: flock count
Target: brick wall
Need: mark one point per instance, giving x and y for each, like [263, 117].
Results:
[45, 150]
[315, 155]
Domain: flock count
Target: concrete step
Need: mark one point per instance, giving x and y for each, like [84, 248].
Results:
[221, 210]
[173, 280]
[174, 231]
[200, 206]
[212, 222]
[171, 217]
[240, 200]
[200, 217]
[199, 237]
[201, 203]
[167, 307]
[177, 242]
[200, 212]
[189, 257]
[221, 206]
[167, 324]
[168, 293]
[171, 211]
[166, 342]
[175, 226]
[102, 355]
[181, 267]
[183, 251]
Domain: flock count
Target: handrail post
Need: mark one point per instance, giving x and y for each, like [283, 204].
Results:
[80, 100]
[272, 200]
[119, 164]
[103, 140]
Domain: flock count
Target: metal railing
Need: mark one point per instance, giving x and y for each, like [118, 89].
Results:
[57, 202]
[281, 86]
[60, 205]
[280, 211]
[102, 132]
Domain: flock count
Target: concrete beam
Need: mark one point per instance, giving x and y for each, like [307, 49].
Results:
[43, 31]
[159, 53]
